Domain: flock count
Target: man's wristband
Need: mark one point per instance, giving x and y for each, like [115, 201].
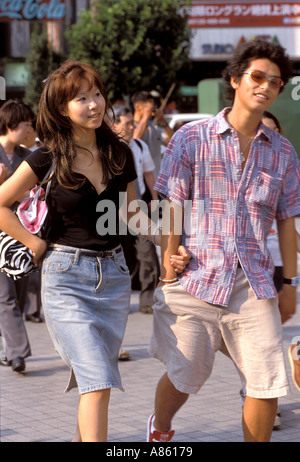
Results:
[294, 282]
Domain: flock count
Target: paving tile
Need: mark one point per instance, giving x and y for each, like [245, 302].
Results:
[35, 408]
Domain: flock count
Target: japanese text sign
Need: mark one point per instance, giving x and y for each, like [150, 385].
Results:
[244, 14]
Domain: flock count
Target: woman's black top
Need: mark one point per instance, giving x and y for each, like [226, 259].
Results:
[72, 213]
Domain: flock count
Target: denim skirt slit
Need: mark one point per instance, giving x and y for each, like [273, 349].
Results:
[86, 303]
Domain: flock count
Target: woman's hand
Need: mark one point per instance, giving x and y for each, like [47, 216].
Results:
[3, 173]
[181, 260]
[38, 252]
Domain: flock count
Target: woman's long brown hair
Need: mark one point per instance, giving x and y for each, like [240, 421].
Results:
[55, 129]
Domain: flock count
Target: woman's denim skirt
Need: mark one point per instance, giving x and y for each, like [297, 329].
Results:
[86, 300]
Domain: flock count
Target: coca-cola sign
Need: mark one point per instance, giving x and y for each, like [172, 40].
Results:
[32, 10]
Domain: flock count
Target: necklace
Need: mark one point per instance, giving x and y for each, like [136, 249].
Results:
[243, 159]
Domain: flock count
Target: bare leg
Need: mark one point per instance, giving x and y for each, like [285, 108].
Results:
[77, 436]
[168, 401]
[93, 416]
[258, 419]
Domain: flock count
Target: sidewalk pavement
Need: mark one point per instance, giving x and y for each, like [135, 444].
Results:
[34, 407]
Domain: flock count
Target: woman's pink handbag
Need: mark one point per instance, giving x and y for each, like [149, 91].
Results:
[33, 210]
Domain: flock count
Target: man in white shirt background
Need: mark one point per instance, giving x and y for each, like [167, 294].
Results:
[140, 254]
[150, 126]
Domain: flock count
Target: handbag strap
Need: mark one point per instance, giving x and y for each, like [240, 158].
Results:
[48, 175]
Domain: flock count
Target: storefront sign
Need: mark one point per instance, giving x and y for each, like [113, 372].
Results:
[32, 10]
[228, 48]
[242, 14]
[217, 48]
[219, 44]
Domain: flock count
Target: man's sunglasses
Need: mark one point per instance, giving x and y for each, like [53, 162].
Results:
[260, 78]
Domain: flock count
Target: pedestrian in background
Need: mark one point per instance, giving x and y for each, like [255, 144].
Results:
[15, 124]
[140, 253]
[271, 121]
[145, 111]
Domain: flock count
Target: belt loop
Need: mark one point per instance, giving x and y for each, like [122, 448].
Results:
[99, 268]
[76, 256]
[115, 252]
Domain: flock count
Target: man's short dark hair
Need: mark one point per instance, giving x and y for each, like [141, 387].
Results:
[120, 111]
[141, 96]
[12, 113]
[256, 49]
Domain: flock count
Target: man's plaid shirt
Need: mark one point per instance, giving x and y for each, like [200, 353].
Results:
[229, 212]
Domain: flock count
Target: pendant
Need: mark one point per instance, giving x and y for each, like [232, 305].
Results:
[243, 159]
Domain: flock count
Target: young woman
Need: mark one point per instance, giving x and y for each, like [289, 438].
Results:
[85, 281]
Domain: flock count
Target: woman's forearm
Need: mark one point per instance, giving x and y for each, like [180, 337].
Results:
[10, 224]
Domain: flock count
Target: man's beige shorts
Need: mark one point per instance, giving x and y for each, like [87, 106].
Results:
[187, 332]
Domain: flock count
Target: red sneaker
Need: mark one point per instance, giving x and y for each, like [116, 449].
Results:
[154, 435]
[294, 358]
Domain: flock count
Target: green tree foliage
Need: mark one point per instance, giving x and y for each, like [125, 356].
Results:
[135, 44]
[41, 60]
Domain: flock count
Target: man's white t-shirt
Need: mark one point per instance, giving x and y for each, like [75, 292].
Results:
[273, 245]
[142, 160]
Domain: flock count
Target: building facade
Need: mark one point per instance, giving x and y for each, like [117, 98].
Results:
[218, 27]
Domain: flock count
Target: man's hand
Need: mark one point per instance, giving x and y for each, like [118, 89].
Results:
[159, 115]
[148, 110]
[181, 260]
[287, 302]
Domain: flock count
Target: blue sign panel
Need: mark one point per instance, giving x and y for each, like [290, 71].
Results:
[32, 10]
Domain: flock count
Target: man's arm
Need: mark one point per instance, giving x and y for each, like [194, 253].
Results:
[177, 254]
[288, 248]
[150, 182]
[142, 125]
[159, 115]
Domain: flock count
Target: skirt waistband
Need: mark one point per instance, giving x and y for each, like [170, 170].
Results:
[85, 252]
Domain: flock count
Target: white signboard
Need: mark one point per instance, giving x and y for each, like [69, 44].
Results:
[217, 44]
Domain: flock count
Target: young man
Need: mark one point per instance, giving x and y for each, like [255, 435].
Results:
[15, 125]
[141, 255]
[237, 175]
[155, 136]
